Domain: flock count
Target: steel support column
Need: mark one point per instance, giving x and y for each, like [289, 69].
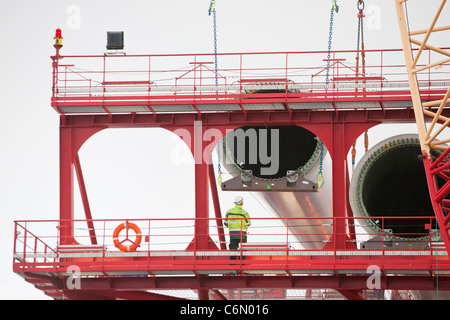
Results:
[201, 189]
[203, 294]
[339, 173]
[66, 186]
[71, 140]
[338, 136]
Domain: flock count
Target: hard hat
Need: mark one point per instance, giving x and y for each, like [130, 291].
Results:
[238, 199]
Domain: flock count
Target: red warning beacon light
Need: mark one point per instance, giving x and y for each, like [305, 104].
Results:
[58, 38]
[58, 41]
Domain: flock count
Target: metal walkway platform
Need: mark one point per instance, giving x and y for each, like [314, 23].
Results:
[104, 267]
[280, 81]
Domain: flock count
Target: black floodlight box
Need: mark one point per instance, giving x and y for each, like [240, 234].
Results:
[114, 40]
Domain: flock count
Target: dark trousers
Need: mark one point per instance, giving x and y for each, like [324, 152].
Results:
[237, 237]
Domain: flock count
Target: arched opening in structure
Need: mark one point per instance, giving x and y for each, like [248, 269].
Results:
[138, 174]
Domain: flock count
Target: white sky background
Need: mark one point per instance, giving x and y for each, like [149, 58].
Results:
[131, 173]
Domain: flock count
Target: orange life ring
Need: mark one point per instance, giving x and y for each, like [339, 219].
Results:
[135, 244]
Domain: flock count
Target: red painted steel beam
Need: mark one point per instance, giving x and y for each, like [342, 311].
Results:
[217, 211]
[300, 97]
[85, 201]
[337, 282]
[439, 169]
[278, 117]
[111, 83]
[262, 80]
[236, 119]
[443, 192]
[440, 159]
[117, 294]
[34, 278]
[350, 294]
[81, 295]
[357, 78]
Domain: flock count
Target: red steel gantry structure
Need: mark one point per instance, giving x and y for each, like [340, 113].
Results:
[94, 93]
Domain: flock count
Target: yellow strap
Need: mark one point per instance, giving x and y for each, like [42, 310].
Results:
[212, 7]
[219, 179]
[320, 180]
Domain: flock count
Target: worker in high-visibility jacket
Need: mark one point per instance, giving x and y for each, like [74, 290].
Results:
[237, 220]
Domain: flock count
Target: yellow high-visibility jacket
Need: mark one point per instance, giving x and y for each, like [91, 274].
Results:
[237, 219]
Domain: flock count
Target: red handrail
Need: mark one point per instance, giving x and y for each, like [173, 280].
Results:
[279, 77]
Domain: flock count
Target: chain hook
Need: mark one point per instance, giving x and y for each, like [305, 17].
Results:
[360, 5]
[335, 6]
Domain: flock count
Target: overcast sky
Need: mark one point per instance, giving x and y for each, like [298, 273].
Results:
[29, 155]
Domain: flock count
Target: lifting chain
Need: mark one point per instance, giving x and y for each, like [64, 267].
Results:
[360, 40]
[219, 169]
[334, 8]
[212, 9]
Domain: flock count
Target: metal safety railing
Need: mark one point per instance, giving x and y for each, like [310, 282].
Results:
[121, 83]
[38, 243]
